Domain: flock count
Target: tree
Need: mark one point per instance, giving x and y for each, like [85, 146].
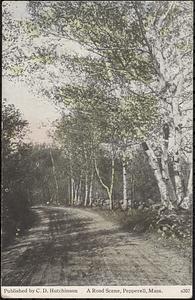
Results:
[171, 60]
[133, 46]
[15, 172]
[49, 183]
[74, 135]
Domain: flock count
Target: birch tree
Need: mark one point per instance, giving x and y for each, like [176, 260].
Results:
[142, 46]
[167, 31]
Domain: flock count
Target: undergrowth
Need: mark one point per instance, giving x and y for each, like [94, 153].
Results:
[166, 225]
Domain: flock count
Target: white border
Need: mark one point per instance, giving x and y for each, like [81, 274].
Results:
[116, 292]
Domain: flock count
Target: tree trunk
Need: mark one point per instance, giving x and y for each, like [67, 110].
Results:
[190, 182]
[69, 193]
[177, 121]
[132, 190]
[179, 188]
[71, 182]
[178, 179]
[55, 178]
[79, 196]
[125, 200]
[165, 167]
[76, 189]
[112, 184]
[72, 191]
[158, 175]
[110, 201]
[86, 190]
[187, 200]
[91, 189]
[108, 190]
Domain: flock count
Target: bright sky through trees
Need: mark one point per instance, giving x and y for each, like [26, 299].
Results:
[39, 114]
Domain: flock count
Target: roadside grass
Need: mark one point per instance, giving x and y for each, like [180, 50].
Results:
[172, 230]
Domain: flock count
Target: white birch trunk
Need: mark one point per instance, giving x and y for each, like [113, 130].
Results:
[55, 178]
[76, 189]
[112, 183]
[165, 168]
[69, 192]
[109, 190]
[158, 175]
[177, 116]
[72, 185]
[132, 189]
[190, 183]
[187, 201]
[86, 190]
[79, 192]
[125, 200]
[178, 178]
[91, 189]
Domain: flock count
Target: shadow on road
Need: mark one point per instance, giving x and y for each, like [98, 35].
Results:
[61, 238]
[78, 247]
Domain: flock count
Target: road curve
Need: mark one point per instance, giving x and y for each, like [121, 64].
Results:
[73, 246]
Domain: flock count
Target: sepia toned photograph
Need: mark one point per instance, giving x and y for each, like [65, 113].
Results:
[97, 138]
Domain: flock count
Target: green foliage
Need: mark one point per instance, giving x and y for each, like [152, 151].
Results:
[167, 225]
[108, 28]
[14, 128]
[15, 171]
[141, 221]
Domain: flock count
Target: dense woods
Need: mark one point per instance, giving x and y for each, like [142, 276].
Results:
[15, 172]
[124, 139]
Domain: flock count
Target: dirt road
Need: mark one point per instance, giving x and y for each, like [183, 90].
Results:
[72, 246]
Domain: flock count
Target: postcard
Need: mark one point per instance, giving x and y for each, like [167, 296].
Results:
[97, 117]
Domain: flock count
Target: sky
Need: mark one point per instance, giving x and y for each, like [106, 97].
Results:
[39, 112]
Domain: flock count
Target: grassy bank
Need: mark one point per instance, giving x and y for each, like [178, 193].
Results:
[169, 229]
